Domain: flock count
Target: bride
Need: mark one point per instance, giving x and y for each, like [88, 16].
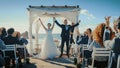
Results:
[48, 48]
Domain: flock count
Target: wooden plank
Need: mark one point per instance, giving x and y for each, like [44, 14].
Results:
[54, 6]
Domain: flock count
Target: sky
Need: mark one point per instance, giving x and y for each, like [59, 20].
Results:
[13, 13]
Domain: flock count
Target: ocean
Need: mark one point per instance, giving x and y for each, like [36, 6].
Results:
[42, 36]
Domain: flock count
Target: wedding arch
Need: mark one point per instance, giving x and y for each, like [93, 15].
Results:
[45, 12]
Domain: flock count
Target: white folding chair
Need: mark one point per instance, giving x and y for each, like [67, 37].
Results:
[118, 62]
[100, 52]
[84, 47]
[24, 47]
[11, 48]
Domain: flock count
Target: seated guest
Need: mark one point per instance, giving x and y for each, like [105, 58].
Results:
[98, 41]
[2, 46]
[83, 39]
[87, 53]
[98, 34]
[3, 33]
[86, 39]
[24, 41]
[8, 40]
[18, 35]
[21, 50]
[89, 33]
[115, 46]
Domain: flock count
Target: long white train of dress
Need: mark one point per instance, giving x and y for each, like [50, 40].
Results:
[48, 48]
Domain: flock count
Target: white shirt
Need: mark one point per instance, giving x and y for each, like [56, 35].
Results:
[66, 27]
[106, 30]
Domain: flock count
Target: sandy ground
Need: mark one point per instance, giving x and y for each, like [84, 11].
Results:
[54, 63]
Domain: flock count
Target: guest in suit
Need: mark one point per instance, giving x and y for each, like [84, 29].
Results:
[71, 33]
[71, 38]
[115, 45]
[65, 34]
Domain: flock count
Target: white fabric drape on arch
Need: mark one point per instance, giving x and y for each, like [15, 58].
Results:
[45, 13]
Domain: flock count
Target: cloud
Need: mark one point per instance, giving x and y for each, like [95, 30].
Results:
[86, 12]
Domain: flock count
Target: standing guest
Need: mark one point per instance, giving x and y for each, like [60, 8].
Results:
[71, 38]
[8, 40]
[65, 34]
[75, 48]
[108, 33]
[71, 33]
[115, 46]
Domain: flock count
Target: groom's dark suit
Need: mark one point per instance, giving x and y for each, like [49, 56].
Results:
[65, 35]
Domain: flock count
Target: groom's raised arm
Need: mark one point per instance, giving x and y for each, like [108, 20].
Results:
[57, 22]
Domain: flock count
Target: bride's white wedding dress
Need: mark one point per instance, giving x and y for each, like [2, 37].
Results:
[48, 48]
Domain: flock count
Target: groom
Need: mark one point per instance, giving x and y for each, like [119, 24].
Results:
[65, 34]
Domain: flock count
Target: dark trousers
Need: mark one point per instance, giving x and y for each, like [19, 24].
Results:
[65, 40]
[114, 63]
[10, 58]
[98, 64]
[71, 40]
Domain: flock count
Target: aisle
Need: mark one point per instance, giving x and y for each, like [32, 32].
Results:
[54, 63]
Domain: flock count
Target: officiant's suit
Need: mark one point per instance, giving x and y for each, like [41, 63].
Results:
[65, 36]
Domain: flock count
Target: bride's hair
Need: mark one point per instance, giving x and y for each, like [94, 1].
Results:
[49, 24]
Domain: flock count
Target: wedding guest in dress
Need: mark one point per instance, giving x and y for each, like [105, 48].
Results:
[98, 37]
[65, 34]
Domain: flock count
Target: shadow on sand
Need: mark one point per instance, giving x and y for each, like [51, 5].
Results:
[60, 62]
[31, 65]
